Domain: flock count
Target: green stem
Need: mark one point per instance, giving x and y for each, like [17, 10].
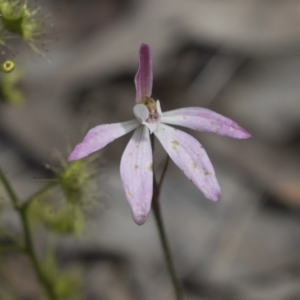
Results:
[162, 176]
[9, 189]
[163, 236]
[31, 253]
[28, 247]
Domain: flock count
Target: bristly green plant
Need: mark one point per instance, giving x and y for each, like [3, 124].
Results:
[59, 206]
[63, 210]
[18, 19]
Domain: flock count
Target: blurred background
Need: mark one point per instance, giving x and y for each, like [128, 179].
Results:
[238, 58]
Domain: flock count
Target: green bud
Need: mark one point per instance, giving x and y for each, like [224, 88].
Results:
[76, 181]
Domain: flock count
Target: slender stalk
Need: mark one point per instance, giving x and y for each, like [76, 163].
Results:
[166, 248]
[31, 253]
[162, 233]
[162, 176]
[28, 243]
[9, 189]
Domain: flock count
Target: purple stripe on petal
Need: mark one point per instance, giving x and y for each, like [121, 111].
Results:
[203, 119]
[137, 175]
[144, 77]
[188, 154]
[99, 136]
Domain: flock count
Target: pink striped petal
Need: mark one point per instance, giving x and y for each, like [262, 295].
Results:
[137, 175]
[188, 154]
[203, 119]
[144, 77]
[99, 136]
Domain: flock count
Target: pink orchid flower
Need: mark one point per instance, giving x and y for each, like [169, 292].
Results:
[186, 152]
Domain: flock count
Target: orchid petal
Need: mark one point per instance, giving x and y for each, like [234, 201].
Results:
[188, 154]
[141, 112]
[99, 136]
[137, 175]
[144, 77]
[203, 119]
[152, 126]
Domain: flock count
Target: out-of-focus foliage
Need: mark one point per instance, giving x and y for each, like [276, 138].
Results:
[18, 19]
[59, 217]
[7, 66]
[75, 180]
[60, 207]
[10, 92]
[66, 284]
[23, 21]
[7, 295]
[63, 212]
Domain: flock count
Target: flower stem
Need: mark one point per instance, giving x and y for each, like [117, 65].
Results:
[28, 243]
[163, 236]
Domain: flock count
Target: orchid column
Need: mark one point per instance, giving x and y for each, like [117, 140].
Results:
[185, 151]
